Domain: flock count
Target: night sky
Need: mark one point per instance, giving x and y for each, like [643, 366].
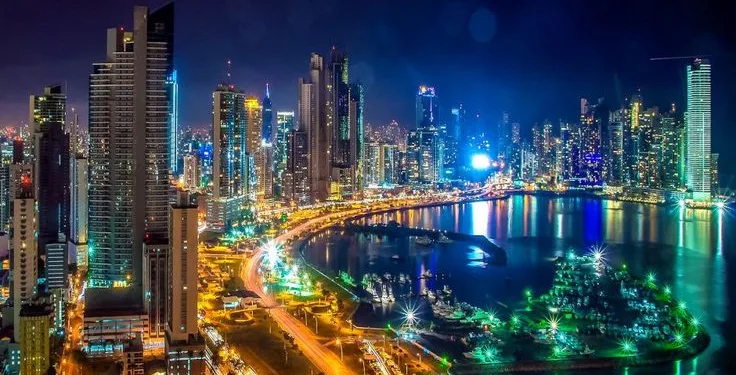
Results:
[534, 59]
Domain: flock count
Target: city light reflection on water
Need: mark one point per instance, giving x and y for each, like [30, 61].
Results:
[689, 250]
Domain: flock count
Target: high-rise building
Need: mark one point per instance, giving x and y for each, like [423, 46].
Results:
[129, 124]
[458, 122]
[427, 108]
[185, 349]
[357, 137]
[6, 159]
[296, 178]
[257, 149]
[192, 172]
[34, 328]
[229, 160]
[284, 124]
[23, 243]
[267, 117]
[616, 139]
[172, 87]
[78, 218]
[53, 183]
[698, 128]
[669, 139]
[77, 144]
[155, 285]
[315, 119]
[44, 109]
[714, 184]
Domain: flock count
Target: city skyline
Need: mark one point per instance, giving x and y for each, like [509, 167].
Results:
[530, 88]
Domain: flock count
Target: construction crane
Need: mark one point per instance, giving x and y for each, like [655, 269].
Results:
[677, 58]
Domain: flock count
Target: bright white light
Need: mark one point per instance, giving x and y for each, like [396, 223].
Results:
[480, 162]
[681, 203]
[720, 205]
[410, 313]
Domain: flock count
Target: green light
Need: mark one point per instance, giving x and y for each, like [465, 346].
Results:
[528, 293]
[515, 319]
[695, 322]
[627, 346]
[667, 290]
[651, 277]
[682, 306]
[678, 338]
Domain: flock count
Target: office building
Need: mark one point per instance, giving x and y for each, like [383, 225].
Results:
[6, 159]
[257, 149]
[53, 183]
[77, 143]
[34, 329]
[698, 129]
[313, 119]
[284, 124]
[230, 159]
[267, 117]
[23, 243]
[155, 285]
[669, 136]
[297, 186]
[78, 219]
[129, 120]
[192, 172]
[184, 345]
[172, 88]
[44, 109]
[714, 184]
[132, 358]
[427, 108]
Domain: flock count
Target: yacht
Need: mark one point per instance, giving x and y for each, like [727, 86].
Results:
[444, 239]
[446, 290]
[423, 240]
[427, 274]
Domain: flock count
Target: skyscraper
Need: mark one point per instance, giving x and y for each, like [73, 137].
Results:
[296, 178]
[129, 122]
[47, 108]
[284, 124]
[267, 116]
[192, 172]
[172, 87]
[230, 160]
[313, 119]
[427, 108]
[357, 136]
[53, 184]
[23, 243]
[185, 350]
[78, 220]
[698, 129]
[258, 150]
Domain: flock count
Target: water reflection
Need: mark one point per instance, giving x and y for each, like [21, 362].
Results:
[688, 249]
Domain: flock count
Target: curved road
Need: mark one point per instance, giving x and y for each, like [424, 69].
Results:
[324, 359]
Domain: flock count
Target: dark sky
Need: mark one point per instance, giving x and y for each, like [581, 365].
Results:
[532, 58]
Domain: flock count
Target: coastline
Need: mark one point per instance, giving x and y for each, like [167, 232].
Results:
[693, 348]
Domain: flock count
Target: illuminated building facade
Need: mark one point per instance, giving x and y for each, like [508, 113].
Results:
[229, 158]
[698, 129]
[172, 86]
[34, 329]
[185, 349]
[315, 119]
[257, 150]
[23, 242]
[78, 219]
[284, 124]
[129, 159]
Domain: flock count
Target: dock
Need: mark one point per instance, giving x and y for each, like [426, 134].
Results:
[394, 229]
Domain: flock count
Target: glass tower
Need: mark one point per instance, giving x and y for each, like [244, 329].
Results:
[698, 130]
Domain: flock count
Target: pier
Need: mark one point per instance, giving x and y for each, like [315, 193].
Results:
[393, 229]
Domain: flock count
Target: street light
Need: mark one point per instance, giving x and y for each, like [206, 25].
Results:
[363, 363]
[340, 344]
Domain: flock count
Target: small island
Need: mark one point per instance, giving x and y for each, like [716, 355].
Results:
[594, 316]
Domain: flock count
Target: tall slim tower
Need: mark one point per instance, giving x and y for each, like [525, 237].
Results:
[357, 136]
[185, 350]
[24, 248]
[52, 175]
[284, 124]
[78, 220]
[698, 130]
[129, 126]
[230, 161]
[256, 148]
[172, 86]
[315, 119]
[44, 109]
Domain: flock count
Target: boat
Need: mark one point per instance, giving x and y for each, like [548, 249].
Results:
[588, 351]
[444, 239]
[423, 240]
[391, 295]
[431, 296]
[387, 276]
[395, 257]
[427, 274]
[402, 278]
[446, 290]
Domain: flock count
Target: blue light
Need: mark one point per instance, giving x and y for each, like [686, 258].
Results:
[480, 162]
